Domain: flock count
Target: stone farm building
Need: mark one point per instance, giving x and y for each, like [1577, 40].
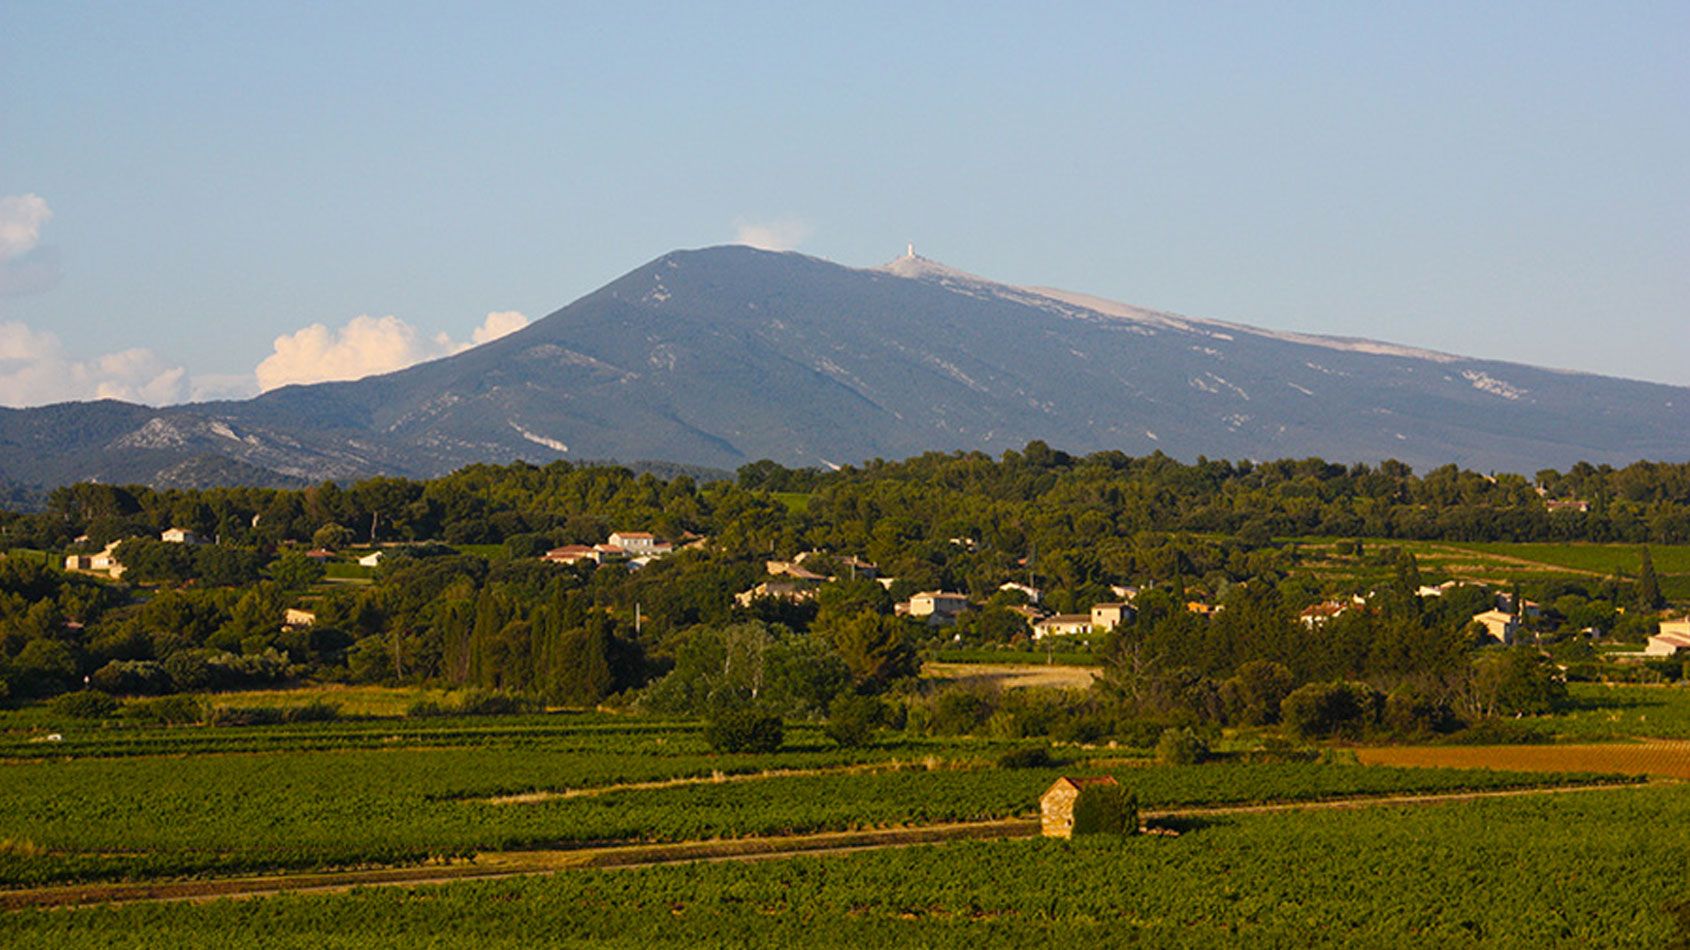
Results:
[1056, 805]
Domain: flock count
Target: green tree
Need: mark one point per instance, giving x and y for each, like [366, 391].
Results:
[1648, 585]
[332, 536]
[876, 648]
[746, 729]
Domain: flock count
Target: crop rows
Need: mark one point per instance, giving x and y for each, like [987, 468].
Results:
[1578, 870]
[110, 818]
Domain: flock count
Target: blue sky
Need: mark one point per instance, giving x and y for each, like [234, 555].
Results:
[182, 184]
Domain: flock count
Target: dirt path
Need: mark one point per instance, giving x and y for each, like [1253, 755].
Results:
[494, 865]
[718, 778]
[1014, 676]
[1466, 554]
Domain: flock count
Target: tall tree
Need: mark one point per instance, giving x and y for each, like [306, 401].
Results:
[1648, 585]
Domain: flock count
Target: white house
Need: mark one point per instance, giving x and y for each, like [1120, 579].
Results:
[371, 559]
[1438, 590]
[1030, 592]
[295, 617]
[1062, 625]
[1667, 644]
[936, 606]
[639, 543]
[1499, 626]
[180, 536]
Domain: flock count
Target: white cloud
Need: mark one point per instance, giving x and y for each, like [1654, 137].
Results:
[368, 346]
[498, 323]
[21, 218]
[365, 346]
[21, 272]
[34, 371]
[782, 234]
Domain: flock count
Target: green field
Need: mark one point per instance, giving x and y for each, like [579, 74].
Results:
[1592, 869]
[795, 502]
[1612, 712]
[116, 801]
[1503, 563]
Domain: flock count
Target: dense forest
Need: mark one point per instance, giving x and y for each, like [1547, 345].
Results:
[463, 597]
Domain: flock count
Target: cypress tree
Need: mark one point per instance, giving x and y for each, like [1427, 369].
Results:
[1648, 585]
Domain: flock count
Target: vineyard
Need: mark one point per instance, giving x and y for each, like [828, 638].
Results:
[1585, 870]
[116, 817]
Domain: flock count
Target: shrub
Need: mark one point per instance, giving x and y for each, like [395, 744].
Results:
[1322, 710]
[244, 716]
[1139, 733]
[852, 720]
[1105, 810]
[1181, 746]
[86, 704]
[167, 710]
[960, 711]
[1031, 757]
[133, 678]
[426, 708]
[745, 730]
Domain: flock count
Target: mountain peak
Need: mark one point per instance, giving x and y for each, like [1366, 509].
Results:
[916, 267]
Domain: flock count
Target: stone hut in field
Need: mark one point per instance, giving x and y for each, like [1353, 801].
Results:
[1056, 805]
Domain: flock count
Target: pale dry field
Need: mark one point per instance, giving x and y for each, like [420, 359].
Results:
[1659, 757]
[1010, 676]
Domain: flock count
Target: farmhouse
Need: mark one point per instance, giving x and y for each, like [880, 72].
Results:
[294, 618]
[372, 559]
[180, 536]
[105, 562]
[1030, 614]
[1056, 805]
[1673, 639]
[1499, 626]
[792, 591]
[1316, 615]
[936, 606]
[571, 554]
[1667, 644]
[1062, 625]
[1108, 616]
[639, 543]
[1027, 590]
[792, 569]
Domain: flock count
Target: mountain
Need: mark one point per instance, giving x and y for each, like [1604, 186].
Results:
[725, 355]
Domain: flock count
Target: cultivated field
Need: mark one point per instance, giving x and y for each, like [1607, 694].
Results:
[1601, 866]
[1660, 758]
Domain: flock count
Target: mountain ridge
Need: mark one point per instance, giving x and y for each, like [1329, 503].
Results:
[720, 356]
